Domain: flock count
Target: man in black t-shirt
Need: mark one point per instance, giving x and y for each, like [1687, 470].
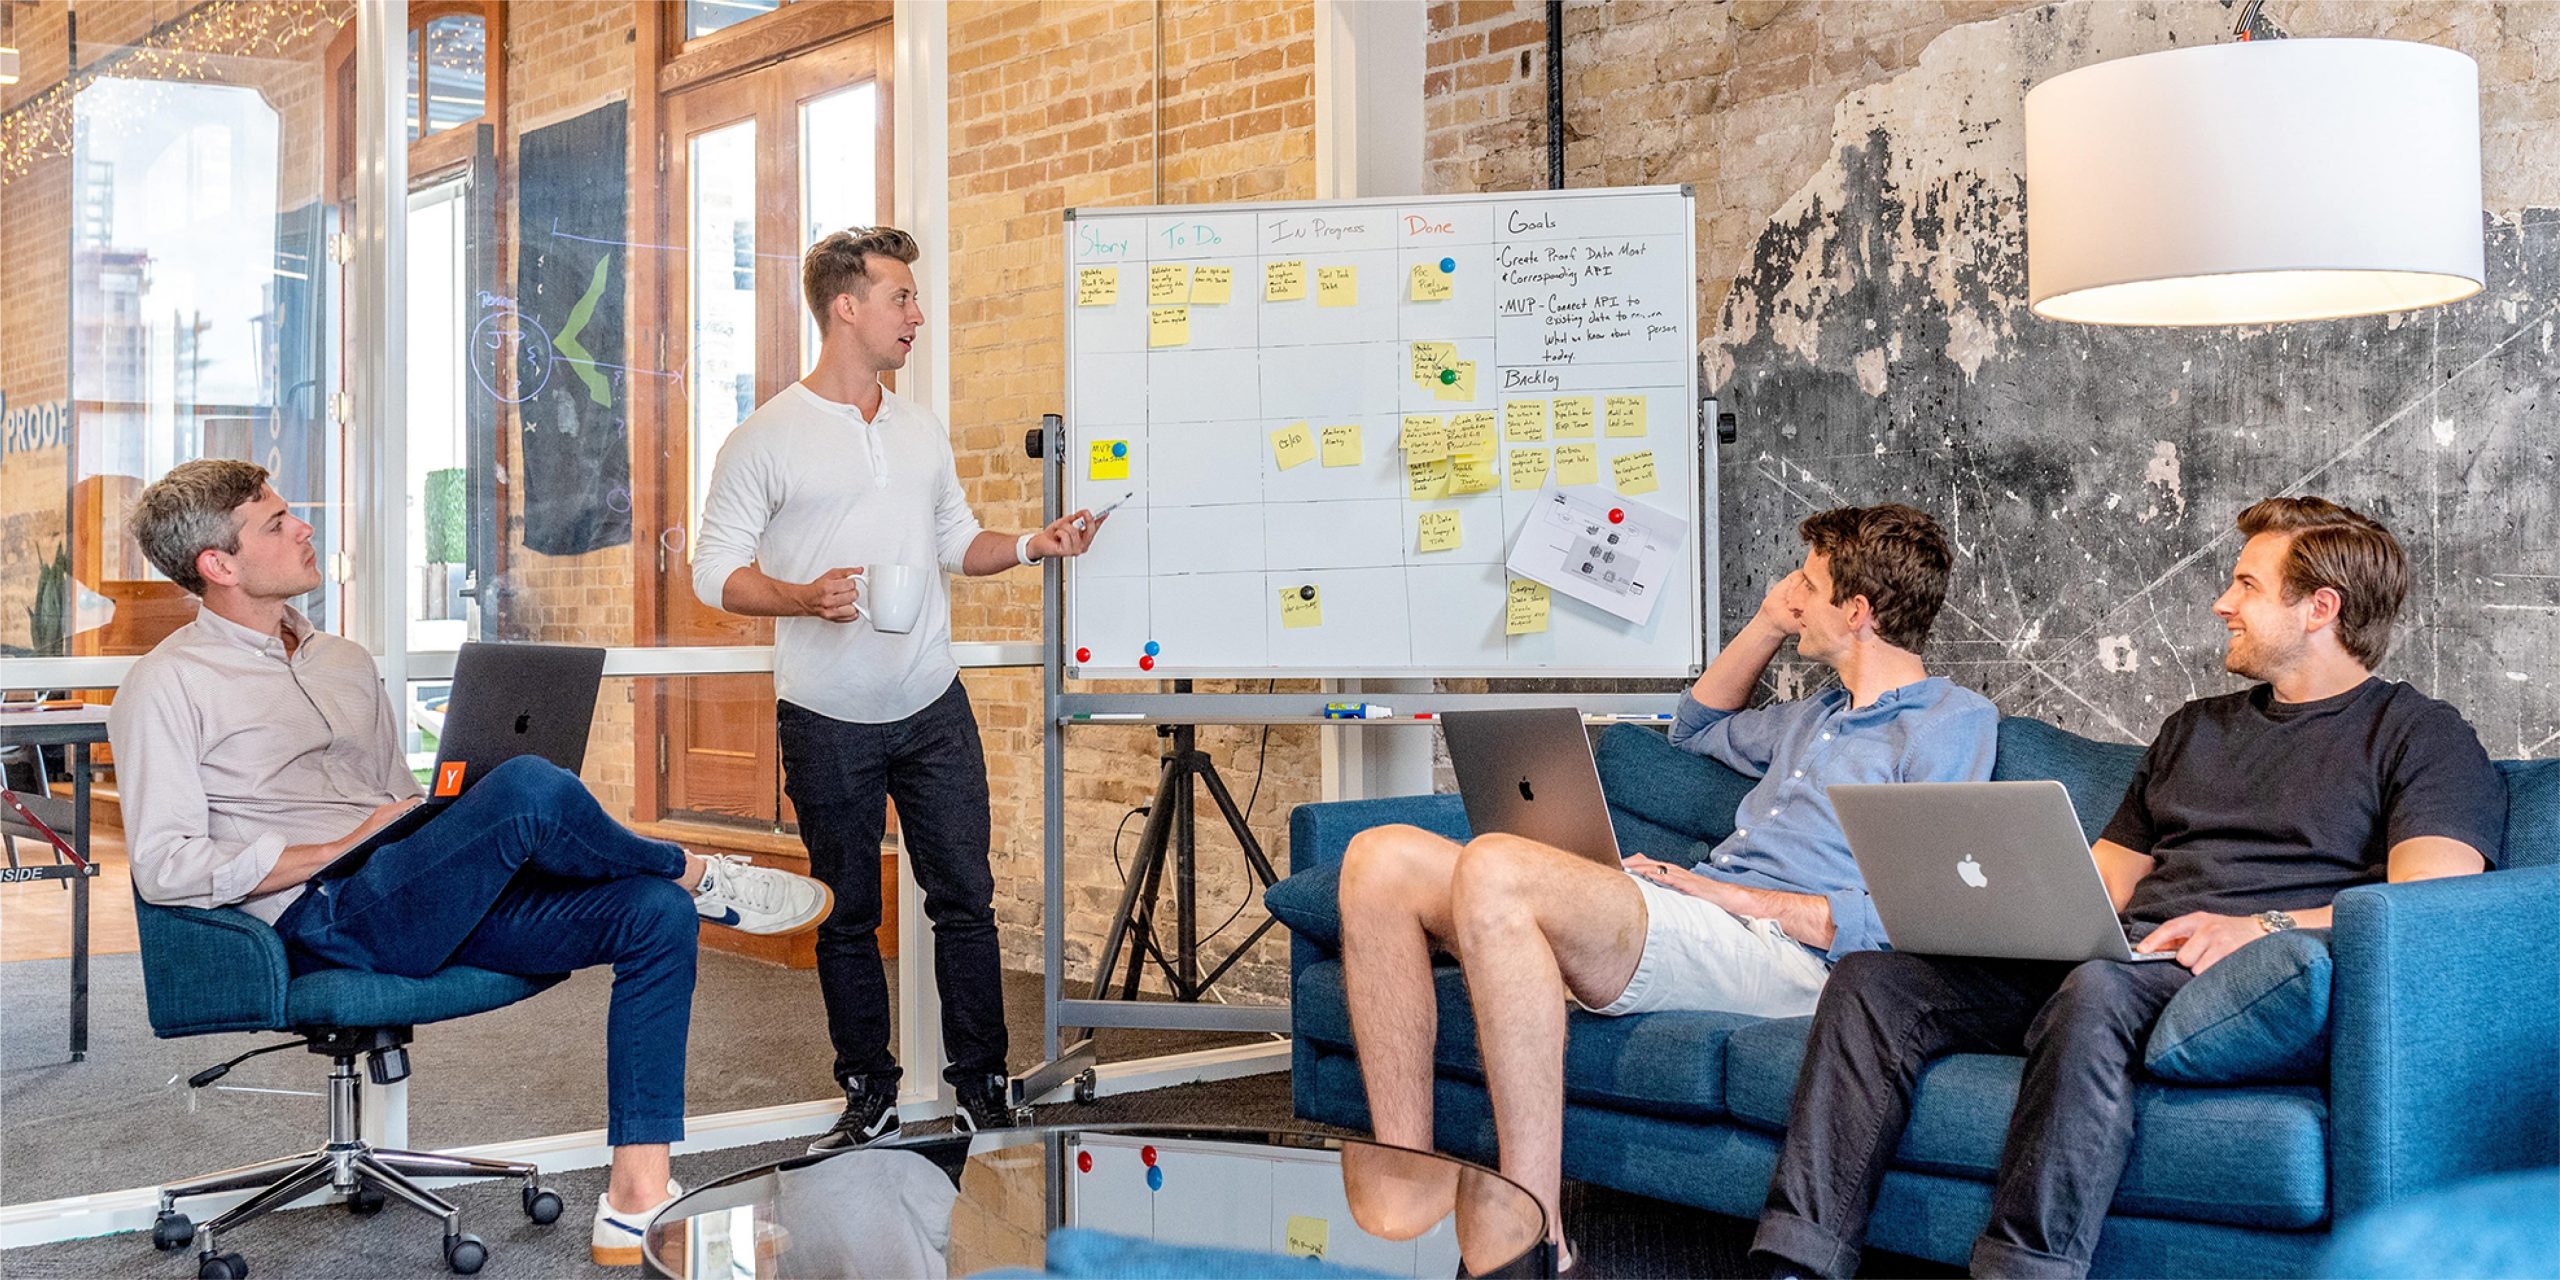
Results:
[2247, 816]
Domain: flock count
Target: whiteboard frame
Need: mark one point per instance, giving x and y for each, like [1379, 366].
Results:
[1703, 547]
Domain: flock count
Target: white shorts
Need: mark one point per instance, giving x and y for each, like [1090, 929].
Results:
[1699, 956]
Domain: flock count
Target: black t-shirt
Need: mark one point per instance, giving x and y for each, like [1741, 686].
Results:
[2247, 804]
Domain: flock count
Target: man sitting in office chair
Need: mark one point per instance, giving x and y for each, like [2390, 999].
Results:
[1752, 928]
[253, 750]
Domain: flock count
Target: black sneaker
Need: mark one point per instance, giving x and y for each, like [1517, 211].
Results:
[870, 1115]
[985, 1103]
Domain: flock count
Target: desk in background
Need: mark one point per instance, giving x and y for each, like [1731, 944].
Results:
[78, 728]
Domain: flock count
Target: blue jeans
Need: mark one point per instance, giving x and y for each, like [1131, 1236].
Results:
[525, 874]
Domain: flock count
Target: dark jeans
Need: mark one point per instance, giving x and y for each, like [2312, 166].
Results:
[1883, 1016]
[524, 874]
[837, 774]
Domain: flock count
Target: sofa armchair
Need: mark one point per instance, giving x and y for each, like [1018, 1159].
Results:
[2445, 1046]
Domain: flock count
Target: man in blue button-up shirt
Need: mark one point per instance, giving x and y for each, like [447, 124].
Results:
[1752, 927]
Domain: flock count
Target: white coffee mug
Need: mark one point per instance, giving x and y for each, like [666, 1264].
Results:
[891, 597]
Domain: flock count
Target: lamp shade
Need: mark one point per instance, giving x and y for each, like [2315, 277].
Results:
[2254, 183]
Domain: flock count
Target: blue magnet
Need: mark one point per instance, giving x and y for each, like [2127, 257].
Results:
[1153, 648]
[1119, 448]
[1448, 266]
[1155, 1179]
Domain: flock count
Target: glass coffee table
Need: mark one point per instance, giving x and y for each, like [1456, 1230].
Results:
[1115, 1197]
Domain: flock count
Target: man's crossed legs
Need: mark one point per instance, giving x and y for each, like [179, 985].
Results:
[1531, 925]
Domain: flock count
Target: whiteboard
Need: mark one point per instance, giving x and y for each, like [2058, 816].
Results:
[1202, 341]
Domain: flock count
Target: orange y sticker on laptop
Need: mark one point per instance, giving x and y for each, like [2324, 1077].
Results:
[449, 779]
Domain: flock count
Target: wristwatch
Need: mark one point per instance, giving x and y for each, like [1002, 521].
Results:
[1022, 551]
[2273, 921]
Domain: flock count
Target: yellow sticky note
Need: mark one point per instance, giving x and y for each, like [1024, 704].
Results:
[1424, 481]
[1430, 283]
[1301, 607]
[1524, 421]
[1097, 286]
[1284, 281]
[1471, 472]
[1625, 415]
[1577, 464]
[1337, 286]
[1168, 326]
[1342, 445]
[1212, 284]
[1472, 432]
[1573, 417]
[1462, 386]
[1293, 445]
[1525, 612]
[1528, 468]
[1168, 282]
[1305, 1237]
[1429, 358]
[1426, 438]
[1635, 472]
[1440, 530]
[1107, 460]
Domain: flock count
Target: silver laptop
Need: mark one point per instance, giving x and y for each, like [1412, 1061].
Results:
[1530, 774]
[1993, 869]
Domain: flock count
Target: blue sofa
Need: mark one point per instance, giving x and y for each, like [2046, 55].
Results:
[2444, 1062]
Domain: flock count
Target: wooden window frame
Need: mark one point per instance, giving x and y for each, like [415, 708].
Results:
[756, 42]
[435, 154]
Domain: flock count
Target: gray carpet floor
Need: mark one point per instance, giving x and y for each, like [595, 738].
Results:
[125, 1118]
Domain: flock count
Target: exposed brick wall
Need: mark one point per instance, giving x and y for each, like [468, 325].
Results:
[1054, 106]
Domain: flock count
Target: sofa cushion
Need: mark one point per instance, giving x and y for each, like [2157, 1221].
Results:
[1310, 903]
[352, 998]
[2533, 813]
[2095, 773]
[2251, 1157]
[2261, 1015]
[1662, 799]
[1666, 1064]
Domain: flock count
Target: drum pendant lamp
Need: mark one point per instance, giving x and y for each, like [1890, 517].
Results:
[2256, 182]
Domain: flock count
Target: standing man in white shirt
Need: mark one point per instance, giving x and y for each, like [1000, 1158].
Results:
[834, 474]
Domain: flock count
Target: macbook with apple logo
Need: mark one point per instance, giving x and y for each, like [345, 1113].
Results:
[508, 700]
[1531, 774]
[2000, 870]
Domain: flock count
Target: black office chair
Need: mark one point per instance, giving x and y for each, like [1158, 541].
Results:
[224, 970]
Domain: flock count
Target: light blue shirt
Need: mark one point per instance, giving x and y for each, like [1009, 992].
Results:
[1785, 835]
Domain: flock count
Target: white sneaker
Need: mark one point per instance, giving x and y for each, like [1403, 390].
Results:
[618, 1236]
[765, 900]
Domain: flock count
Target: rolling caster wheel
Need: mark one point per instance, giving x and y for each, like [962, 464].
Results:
[465, 1254]
[365, 1202]
[1085, 1087]
[171, 1232]
[541, 1205]
[223, 1266]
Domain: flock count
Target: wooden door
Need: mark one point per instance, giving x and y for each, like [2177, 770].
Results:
[758, 165]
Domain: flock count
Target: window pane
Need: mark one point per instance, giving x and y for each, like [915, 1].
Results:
[413, 81]
[839, 176]
[723, 261]
[437, 508]
[702, 17]
[457, 58]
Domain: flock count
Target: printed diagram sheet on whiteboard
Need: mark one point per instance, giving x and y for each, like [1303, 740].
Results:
[1333, 421]
[1611, 555]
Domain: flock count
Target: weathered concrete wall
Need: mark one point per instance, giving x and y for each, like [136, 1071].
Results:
[1877, 345]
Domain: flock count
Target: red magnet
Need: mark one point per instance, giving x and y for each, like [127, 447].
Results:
[1084, 1162]
[1146, 662]
[1148, 1156]
[1617, 516]
[1084, 655]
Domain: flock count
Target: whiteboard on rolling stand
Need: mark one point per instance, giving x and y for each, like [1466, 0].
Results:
[1328, 423]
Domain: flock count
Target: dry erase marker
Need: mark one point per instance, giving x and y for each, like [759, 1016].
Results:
[1115, 505]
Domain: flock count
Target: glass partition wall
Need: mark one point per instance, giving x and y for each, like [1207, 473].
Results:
[485, 305]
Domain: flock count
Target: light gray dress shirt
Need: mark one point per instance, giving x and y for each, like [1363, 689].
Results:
[227, 751]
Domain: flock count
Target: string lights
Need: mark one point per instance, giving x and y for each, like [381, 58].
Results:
[189, 48]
